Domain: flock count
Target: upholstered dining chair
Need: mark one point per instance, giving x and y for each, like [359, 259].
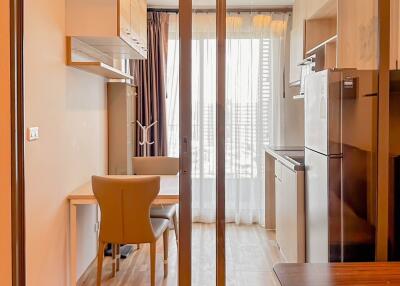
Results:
[159, 166]
[125, 217]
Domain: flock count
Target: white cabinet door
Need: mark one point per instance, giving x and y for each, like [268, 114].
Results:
[289, 215]
[288, 228]
[279, 203]
[291, 228]
[295, 56]
[297, 39]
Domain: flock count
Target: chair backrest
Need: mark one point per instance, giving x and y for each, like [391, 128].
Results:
[125, 208]
[155, 165]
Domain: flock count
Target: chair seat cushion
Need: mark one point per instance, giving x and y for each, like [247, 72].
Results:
[164, 211]
[159, 226]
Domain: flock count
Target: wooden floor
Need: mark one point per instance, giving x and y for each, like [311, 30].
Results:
[251, 253]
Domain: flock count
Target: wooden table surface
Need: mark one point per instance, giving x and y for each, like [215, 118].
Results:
[354, 274]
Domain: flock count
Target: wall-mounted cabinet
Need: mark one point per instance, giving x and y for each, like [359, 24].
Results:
[395, 35]
[321, 9]
[82, 56]
[344, 32]
[117, 28]
[297, 40]
[357, 44]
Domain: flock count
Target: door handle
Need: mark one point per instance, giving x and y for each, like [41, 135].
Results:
[185, 155]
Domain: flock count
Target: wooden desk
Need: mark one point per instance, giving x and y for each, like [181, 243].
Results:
[169, 194]
[354, 274]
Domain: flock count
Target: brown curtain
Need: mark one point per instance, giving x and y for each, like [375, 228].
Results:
[150, 78]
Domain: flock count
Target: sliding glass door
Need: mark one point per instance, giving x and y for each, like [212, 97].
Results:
[201, 256]
[231, 65]
[185, 142]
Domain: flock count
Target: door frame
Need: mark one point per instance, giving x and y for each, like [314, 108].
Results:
[185, 143]
[382, 229]
[220, 188]
[17, 142]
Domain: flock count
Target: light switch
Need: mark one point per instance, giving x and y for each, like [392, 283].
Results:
[33, 134]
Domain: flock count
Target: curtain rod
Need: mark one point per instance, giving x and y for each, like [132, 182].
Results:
[281, 9]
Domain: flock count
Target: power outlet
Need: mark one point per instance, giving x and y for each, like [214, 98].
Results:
[33, 134]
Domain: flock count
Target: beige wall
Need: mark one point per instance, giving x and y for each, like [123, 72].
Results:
[69, 107]
[5, 181]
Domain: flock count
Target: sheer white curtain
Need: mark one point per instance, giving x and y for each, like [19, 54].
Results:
[254, 85]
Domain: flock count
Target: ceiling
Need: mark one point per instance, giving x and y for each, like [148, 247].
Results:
[212, 3]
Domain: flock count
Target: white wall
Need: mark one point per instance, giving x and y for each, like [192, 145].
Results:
[69, 106]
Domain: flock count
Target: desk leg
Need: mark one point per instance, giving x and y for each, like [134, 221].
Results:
[72, 239]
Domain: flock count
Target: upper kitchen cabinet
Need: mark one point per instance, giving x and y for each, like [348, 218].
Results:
[322, 8]
[394, 34]
[116, 28]
[357, 34]
[297, 40]
[341, 33]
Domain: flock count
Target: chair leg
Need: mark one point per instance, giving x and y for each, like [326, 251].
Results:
[100, 256]
[165, 244]
[118, 256]
[153, 247]
[175, 219]
[114, 264]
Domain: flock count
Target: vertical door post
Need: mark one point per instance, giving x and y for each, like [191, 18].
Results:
[185, 139]
[383, 131]
[17, 142]
[221, 60]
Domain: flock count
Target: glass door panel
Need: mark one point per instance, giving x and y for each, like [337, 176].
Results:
[203, 145]
[255, 57]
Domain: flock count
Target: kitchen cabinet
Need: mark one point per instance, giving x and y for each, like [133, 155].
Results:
[296, 55]
[139, 22]
[320, 8]
[290, 218]
[116, 28]
[394, 34]
[346, 31]
[357, 34]
[121, 109]
[297, 40]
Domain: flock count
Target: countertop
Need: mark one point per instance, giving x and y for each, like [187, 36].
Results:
[287, 155]
[338, 274]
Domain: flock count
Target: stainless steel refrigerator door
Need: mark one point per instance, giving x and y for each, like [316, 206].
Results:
[317, 223]
[316, 112]
[323, 112]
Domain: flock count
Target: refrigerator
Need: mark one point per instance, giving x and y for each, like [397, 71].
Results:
[341, 165]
